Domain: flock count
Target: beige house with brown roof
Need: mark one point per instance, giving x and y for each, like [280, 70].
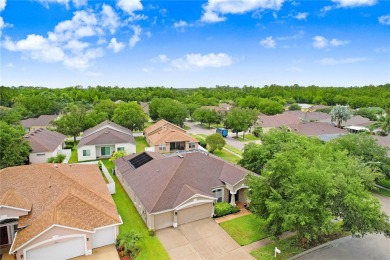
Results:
[165, 137]
[43, 121]
[44, 144]
[50, 211]
[103, 140]
[174, 190]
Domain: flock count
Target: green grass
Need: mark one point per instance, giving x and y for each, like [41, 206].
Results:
[289, 248]
[251, 137]
[383, 192]
[228, 156]
[245, 230]
[234, 150]
[385, 183]
[73, 156]
[140, 144]
[202, 135]
[151, 248]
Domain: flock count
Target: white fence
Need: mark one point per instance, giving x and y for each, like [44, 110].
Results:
[111, 183]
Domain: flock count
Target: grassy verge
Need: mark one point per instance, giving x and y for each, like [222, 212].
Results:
[228, 156]
[383, 192]
[246, 229]
[248, 137]
[73, 156]
[288, 247]
[151, 248]
[385, 183]
[140, 144]
[232, 149]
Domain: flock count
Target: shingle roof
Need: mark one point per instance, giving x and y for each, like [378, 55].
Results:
[166, 182]
[43, 120]
[357, 120]
[68, 195]
[106, 133]
[12, 198]
[159, 124]
[312, 116]
[317, 128]
[288, 118]
[43, 140]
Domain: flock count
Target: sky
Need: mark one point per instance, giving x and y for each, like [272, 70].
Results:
[185, 44]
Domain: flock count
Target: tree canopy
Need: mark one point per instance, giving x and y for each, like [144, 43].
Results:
[340, 114]
[215, 142]
[240, 119]
[130, 115]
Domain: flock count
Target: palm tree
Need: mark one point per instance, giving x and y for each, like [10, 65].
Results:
[129, 243]
[384, 123]
[340, 114]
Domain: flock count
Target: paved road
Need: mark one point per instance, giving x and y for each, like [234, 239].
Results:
[197, 129]
[375, 246]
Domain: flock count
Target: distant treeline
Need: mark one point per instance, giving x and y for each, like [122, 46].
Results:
[39, 100]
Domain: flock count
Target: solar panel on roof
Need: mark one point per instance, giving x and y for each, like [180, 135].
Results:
[140, 160]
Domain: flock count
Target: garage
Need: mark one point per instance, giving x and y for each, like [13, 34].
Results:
[194, 213]
[163, 220]
[103, 237]
[59, 250]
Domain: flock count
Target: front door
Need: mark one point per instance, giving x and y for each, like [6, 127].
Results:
[4, 235]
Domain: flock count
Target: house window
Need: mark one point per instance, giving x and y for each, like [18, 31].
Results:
[105, 150]
[40, 154]
[218, 193]
[191, 145]
[120, 149]
[86, 153]
[162, 147]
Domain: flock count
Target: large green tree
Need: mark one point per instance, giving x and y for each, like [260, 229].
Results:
[14, 149]
[73, 122]
[172, 111]
[215, 142]
[240, 119]
[306, 185]
[130, 115]
[105, 106]
[208, 116]
[340, 114]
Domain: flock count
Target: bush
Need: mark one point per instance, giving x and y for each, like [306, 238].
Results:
[257, 131]
[51, 160]
[152, 232]
[57, 159]
[129, 243]
[202, 142]
[294, 107]
[385, 183]
[224, 208]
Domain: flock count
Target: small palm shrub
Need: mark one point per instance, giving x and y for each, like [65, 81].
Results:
[129, 243]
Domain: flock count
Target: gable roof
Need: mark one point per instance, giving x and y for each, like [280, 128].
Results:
[317, 129]
[288, 118]
[43, 120]
[165, 132]
[106, 132]
[165, 182]
[43, 140]
[357, 120]
[70, 195]
[159, 125]
[312, 116]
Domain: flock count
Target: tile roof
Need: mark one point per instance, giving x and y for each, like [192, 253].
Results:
[166, 182]
[68, 195]
[43, 120]
[317, 128]
[43, 140]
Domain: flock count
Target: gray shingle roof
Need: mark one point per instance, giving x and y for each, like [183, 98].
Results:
[43, 140]
[43, 120]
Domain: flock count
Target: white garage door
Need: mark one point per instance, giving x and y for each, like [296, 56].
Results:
[59, 251]
[194, 213]
[163, 220]
[103, 237]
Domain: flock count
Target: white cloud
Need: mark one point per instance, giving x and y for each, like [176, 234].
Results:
[137, 17]
[354, 3]
[76, 3]
[136, 36]
[180, 24]
[332, 61]
[83, 60]
[2, 4]
[214, 10]
[115, 46]
[160, 58]
[130, 6]
[2, 25]
[109, 18]
[321, 42]
[298, 35]
[196, 61]
[268, 42]
[385, 19]
[301, 16]
[76, 46]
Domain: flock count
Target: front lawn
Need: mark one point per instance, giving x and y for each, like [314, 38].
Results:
[140, 144]
[246, 229]
[248, 137]
[226, 155]
[288, 246]
[234, 150]
[151, 248]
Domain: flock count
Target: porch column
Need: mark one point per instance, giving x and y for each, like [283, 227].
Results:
[233, 198]
[175, 219]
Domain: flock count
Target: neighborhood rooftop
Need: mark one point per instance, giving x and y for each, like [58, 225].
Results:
[43, 140]
[43, 120]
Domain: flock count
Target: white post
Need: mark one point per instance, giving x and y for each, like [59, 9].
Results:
[277, 251]
[233, 198]
[175, 219]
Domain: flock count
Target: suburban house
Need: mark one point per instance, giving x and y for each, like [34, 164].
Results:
[103, 140]
[44, 144]
[165, 137]
[50, 211]
[43, 121]
[311, 116]
[174, 190]
[324, 131]
[222, 107]
[287, 119]
[357, 121]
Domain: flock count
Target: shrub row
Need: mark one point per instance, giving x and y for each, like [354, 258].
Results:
[224, 208]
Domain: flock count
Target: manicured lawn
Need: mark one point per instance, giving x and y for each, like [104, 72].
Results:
[246, 229]
[151, 248]
[228, 156]
[202, 135]
[140, 144]
[73, 156]
[231, 148]
[289, 248]
[250, 137]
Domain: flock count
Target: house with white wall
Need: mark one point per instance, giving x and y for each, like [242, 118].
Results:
[44, 144]
[103, 140]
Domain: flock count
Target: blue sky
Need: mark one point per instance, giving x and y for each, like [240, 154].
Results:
[135, 43]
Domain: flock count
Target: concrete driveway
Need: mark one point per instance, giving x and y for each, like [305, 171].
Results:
[202, 239]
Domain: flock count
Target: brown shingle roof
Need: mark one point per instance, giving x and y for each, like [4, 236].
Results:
[164, 132]
[317, 128]
[43, 140]
[358, 121]
[43, 120]
[12, 198]
[312, 116]
[158, 126]
[69, 195]
[165, 182]
[288, 118]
